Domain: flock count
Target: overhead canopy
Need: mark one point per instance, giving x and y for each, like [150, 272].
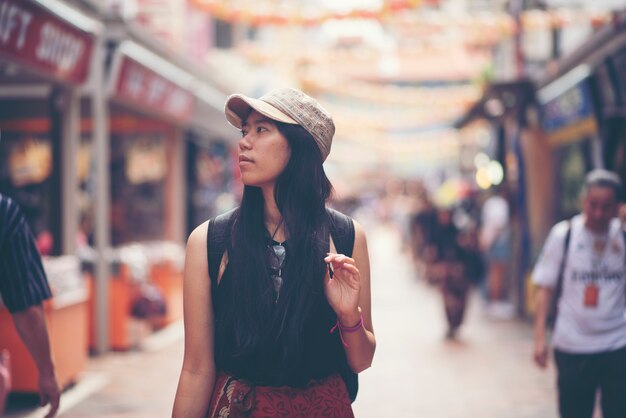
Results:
[500, 99]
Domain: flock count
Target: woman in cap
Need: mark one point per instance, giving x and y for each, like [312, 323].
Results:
[277, 320]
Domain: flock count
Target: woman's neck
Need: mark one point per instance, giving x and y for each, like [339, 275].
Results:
[273, 218]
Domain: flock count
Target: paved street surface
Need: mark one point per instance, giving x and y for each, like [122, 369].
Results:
[487, 373]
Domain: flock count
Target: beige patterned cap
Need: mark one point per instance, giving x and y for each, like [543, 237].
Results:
[286, 105]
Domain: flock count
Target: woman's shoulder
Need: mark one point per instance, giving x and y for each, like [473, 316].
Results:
[198, 235]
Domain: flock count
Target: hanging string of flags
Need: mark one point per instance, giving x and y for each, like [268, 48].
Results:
[261, 13]
[277, 13]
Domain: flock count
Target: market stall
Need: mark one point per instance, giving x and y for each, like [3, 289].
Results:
[46, 54]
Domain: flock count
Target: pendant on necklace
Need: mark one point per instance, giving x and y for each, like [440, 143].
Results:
[278, 283]
[276, 261]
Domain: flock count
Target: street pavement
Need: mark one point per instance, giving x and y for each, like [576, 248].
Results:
[486, 373]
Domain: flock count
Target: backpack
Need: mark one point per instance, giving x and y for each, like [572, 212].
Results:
[342, 232]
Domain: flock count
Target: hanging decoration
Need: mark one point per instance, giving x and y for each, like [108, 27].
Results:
[261, 13]
[482, 28]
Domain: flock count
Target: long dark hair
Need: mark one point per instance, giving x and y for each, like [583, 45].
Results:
[252, 318]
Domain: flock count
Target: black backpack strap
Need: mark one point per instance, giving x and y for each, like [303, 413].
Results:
[342, 231]
[217, 240]
[558, 289]
[624, 232]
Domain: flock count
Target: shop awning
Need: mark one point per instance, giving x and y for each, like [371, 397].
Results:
[600, 45]
[48, 37]
[145, 81]
[499, 100]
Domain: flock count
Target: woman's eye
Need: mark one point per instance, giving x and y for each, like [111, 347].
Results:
[243, 133]
[261, 129]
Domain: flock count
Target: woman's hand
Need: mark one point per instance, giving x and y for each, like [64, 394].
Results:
[342, 291]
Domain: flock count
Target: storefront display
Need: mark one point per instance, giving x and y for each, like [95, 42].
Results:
[208, 177]
[573, 161]
[569, 121]
[138, 170]
[27, 174]
[46, 51]
[612, 84]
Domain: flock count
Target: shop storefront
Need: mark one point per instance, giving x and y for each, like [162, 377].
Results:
[149, 103]
[46, 53]
[559, 145]
[212, 165]
[569, 121]
[610, 79]
[156, 144]
[504, 105]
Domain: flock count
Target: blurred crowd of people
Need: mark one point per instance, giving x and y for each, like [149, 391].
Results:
[459, 239]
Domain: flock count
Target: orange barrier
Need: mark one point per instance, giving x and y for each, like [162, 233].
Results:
[120, 289]
[67, 328]
[170, 282]
[124, 330]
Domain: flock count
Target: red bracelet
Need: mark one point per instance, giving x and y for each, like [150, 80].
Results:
[342, 328]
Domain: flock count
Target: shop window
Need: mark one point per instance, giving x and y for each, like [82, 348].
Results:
[224, 38]
[138, 172]
[86, 192]
[27, 176]
[615, 150]
[606, 86]
[619, 63]
[573, 162]
[207, 179]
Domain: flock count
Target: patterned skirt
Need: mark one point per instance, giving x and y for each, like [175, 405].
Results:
[321, 398]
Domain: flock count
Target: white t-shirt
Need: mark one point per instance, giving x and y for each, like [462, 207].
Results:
[580, 328]
[494, 218]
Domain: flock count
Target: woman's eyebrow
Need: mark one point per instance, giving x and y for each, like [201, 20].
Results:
[262, 119]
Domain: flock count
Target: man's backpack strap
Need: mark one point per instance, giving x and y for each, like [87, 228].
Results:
[217, 241]
[624, 232]
[558, 289]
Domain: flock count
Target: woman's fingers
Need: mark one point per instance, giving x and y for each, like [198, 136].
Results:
[338, 258]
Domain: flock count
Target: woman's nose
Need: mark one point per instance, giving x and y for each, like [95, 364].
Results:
[244, 142]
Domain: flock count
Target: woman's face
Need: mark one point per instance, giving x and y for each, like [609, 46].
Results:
[263, 151]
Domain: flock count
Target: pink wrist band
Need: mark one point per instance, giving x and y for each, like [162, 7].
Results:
[343, 328]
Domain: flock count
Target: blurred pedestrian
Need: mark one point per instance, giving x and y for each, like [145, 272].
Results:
[496, 248]
[423, 232]
[458, 265]
[23, 287]
[583, 261]
[258, 323]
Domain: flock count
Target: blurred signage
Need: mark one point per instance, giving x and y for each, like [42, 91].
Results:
[140, 86]
[38, 38]
[569, 117]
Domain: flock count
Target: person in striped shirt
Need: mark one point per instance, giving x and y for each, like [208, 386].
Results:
[23, 288]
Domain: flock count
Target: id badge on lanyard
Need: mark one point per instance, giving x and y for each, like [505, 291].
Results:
[591, 295]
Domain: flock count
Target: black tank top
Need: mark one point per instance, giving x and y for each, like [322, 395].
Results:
[322, 355]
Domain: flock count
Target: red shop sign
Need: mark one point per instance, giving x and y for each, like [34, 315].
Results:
[145, 88]
[36, 37]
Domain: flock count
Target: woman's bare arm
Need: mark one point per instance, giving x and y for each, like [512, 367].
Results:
[198, 371]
